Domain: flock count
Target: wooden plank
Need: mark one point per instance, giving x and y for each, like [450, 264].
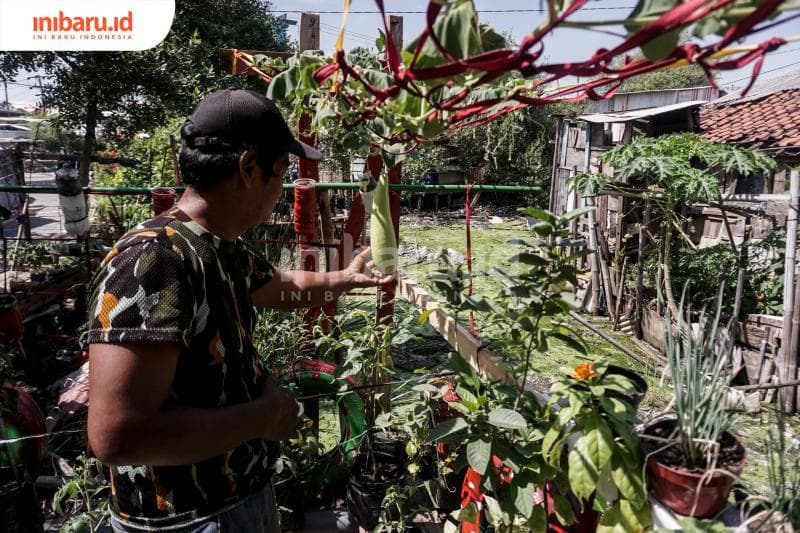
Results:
[470, 348]
[309, 31]
[753, 335]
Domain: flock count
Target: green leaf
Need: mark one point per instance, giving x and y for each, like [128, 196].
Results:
[577, 213]
[582, 474]
[623, 517]
[541, 214]
[479, 452]
[466, 395]
[477, 303]
[523, 495]
[527, 258]
[538, 520]
[503, 418]
[571, 342]
[447, 428]
[563, 508]
[468, 513]
[628, 479]
[425, 387]
[494, 514]
[597, 442]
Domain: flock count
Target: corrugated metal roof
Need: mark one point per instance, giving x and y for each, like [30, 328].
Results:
[628, 116]
[655, 98]
[784, 82]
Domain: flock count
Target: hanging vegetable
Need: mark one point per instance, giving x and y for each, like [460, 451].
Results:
[381, 235]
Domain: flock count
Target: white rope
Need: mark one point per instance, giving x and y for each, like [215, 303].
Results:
[40, 435]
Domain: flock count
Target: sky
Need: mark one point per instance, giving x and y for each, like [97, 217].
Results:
[562, 46]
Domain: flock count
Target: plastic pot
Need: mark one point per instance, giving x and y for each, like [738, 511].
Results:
[365, 495]
[688, 493]
[632, 399]
[19, 509]
[290, 498]
[389, 448]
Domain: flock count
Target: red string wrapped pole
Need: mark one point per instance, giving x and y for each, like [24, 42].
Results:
[163, 198]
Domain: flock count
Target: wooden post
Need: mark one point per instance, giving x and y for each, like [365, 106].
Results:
[787, 364]
[309, 40]
[794, 343]
[309, 255]
[643, 224]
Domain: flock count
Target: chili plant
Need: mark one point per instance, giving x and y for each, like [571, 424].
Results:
[503, 445]
[604, 464]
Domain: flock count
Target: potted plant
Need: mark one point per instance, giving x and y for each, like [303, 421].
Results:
[692, 459]
[499, 430]
[380, 460]
[778, 509]
[591, 437]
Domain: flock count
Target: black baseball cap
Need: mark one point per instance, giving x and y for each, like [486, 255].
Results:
[231, 118]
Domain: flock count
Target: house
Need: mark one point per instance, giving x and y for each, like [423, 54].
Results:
[766, 119]
[580, 140]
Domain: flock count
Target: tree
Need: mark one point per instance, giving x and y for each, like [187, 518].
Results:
[674, 78]
[670, 172]
[128, 92]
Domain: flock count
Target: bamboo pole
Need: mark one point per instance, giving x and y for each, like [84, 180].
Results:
[594, 259]
[620, 291]
[794, 343]
[647, 364]
[742, 259]
[787, 363]
[640, 268]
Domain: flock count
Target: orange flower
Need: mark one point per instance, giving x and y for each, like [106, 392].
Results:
[584, 371]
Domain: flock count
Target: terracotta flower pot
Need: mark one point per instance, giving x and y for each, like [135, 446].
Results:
[689, 493]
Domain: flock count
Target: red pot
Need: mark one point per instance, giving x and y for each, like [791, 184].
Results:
[691, 494]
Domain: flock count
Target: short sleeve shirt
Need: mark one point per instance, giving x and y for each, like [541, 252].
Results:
[171, 280]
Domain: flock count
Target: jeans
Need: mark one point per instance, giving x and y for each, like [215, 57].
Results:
[258, 513]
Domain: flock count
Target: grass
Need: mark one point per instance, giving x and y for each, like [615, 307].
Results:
[490, 248]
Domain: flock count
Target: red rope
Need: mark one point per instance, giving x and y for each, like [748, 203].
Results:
[467, 212]
[524, 58]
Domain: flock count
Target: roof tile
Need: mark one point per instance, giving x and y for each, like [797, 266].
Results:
[773, 120]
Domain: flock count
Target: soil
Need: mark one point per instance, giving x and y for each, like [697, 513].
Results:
[731, 451]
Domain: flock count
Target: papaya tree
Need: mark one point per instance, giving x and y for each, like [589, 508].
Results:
[672, 172]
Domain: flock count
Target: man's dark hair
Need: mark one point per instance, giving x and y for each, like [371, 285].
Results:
[202, 168]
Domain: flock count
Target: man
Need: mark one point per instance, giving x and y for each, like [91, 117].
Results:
[181, 408]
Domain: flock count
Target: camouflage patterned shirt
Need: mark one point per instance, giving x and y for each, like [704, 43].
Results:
[170, 280]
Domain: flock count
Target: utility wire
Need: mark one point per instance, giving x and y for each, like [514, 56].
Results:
[765, 71]
[393, 12]
[346, 32]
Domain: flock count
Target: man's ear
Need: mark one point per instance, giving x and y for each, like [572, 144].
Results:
[247, 164]
[277, 168]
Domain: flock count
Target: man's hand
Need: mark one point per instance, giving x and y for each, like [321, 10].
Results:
[280, 412]
[360, 272]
